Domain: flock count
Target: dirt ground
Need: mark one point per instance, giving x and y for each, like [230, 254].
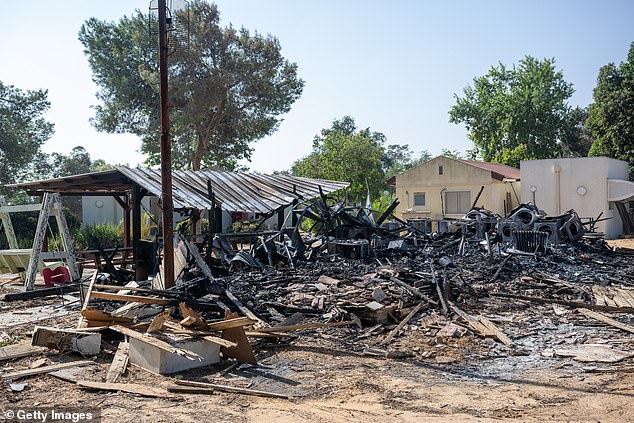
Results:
[329, 383]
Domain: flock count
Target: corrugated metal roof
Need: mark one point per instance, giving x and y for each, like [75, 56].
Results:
[235, 191]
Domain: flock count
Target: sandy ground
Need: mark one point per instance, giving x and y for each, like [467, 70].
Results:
[330, 384]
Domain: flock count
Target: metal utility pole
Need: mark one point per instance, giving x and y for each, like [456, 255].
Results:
[166, 154]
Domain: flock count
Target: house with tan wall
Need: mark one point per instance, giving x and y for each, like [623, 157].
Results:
[445, 188]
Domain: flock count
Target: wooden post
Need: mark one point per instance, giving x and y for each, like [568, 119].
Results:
[136, 225]
[125, 205]
[58, 211]
[42, 222]
[218, 219]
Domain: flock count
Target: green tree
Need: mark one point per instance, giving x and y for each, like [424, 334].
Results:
[452, 154]
[398, 158]
[228, 87]
[345, 153]
[611, 116]
[518, 113]
[23, 130]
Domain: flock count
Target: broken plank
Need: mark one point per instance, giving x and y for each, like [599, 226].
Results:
[158, 321]
[190, 390]
[87, 295]
[242, 351]
[192, 319]
[495, 331]
[306, 326]
[46, 369]
[576, 304]
[243, 308]
[23, 349]
[402, 323]
[607, 320]
[132, 388]
[119, 363]
[230, 323]
[130, 298]
[232, 389]
[408, 287]
[43, 292]
[92, 315]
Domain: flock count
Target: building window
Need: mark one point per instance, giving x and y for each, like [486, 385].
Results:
[419, 199]
[457, 202]
[440, 170]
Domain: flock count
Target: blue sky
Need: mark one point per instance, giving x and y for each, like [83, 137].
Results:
[393, 66]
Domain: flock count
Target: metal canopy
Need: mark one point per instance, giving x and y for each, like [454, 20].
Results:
[235, 191]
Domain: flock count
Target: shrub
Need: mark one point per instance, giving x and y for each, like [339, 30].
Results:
[246, 226]
[93, 237]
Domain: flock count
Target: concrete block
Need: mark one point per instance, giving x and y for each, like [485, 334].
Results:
[160, 361]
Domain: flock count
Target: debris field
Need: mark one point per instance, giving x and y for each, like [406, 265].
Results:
[487, 296]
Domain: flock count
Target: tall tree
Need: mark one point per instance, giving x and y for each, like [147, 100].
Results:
[398, 158]
[228, 87]
[517, 113]
[23, 130]
[611, 116]
[345, 153]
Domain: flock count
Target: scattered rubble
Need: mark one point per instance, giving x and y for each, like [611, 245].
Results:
[487, 287]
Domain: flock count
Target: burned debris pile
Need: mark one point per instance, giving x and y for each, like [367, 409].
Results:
[524, 285]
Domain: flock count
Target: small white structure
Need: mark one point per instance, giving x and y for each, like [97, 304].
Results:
[589, 185]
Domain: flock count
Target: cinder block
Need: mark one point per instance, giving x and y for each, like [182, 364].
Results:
[160, 361]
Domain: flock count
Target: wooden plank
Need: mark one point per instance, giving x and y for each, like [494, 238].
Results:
[190, 390]
[495, 331]
[232, 389]
[132, 388]
[243, 308]
[158, 321]
[621, 298]
[473, 322]
[158, 343]
[402, 323]
[192, 319]
[92, 315]
[119, 363]
[130, 298]
[242, 351]
[23, 349]
[40, 293]
[306, 326]
[87, 295]
[576, 304]
[45, 369]
[229, 323]
[607, 320]
[209, 336]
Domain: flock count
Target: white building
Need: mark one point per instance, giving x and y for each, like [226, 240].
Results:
[589, 185]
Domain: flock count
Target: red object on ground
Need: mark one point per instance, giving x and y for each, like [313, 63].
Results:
[58, 275]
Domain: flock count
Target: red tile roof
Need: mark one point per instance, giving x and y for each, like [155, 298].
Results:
[498, 170]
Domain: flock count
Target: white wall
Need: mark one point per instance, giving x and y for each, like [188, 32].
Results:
[109, 212]
[582, 185]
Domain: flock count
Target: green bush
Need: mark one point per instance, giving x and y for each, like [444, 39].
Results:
[246, 226]
[93, 237]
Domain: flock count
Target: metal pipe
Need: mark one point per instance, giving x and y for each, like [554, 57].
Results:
[557, 170]
[166, 154]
